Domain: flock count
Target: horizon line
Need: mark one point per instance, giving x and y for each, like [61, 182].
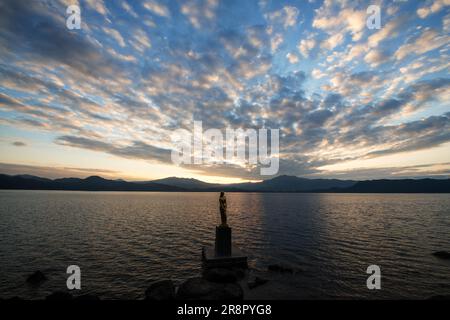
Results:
[440, 177]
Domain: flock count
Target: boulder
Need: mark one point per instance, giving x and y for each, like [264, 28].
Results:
[220, 275]
[202, 289]
[194, 288]
[445, 255]
[227, 291]
[239, 272]
[160, 290]
[256, 281]
[36, 278]
[59, 295]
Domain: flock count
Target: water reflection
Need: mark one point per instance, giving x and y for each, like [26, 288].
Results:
[122, 241]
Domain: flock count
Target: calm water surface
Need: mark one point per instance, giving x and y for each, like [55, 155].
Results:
[124, 240]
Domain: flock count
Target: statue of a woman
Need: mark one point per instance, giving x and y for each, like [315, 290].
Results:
[223, 208]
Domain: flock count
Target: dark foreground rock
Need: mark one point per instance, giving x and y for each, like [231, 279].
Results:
[256, 281]
[220, 275]
[202, 289]
[36, 278]
[442, 255]
[160, 290]
[59, 296]
[239, 272]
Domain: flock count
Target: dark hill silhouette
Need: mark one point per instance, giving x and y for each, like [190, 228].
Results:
[295, 184]
[29, 176]
[93, 183]
[400, 186]
[277, 184]
[186, 183]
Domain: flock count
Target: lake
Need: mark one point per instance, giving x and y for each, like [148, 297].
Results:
[124, 240]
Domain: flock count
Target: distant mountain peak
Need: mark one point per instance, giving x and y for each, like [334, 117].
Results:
[92, 178]
[285, 177]
[29, 176]
[283, 183]
[189, 183]
[180, 178]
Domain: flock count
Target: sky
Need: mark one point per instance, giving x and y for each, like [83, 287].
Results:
[350, 102]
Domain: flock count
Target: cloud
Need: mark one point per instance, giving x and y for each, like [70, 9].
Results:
[354, 52]
[429, 40]
[156, 8]
[54, 172]
[135, 150]
[437, 170]
[31, 29]
[333, 41]
[344, 20]
[278, 22]
[200, 12]
[19, 144]
[6, 101]
[116, 35]
[376, 57]
[436, 6]
[121, 88]
[286, 17]
[276, 40]
[430, 132]
[140, 41]
[98, 6]
[305, 46]
[292, 58]
[316, 73]
[129, 9]
[446, 23]
[388, 31]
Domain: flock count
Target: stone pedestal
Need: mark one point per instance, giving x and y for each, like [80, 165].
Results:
[223, 241]
[211, 260]
[223, 254]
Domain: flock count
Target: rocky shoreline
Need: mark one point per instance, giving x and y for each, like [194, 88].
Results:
[212, 284]
[274, 283]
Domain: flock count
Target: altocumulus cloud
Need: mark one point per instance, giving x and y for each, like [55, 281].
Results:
[138, 70]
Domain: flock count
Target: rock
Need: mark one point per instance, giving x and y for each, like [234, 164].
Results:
[227, 291]
[445, 255]
[59, 295]
[36, 278]
[87, 297]
[202, 289]
[220, 275]
[194, 288]
[239, 272]
[280, 268]
[256, 282]
[160, 290]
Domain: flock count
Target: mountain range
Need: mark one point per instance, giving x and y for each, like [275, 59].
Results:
[278, 184]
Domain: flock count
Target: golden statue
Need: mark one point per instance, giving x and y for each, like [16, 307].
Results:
[223, 209]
